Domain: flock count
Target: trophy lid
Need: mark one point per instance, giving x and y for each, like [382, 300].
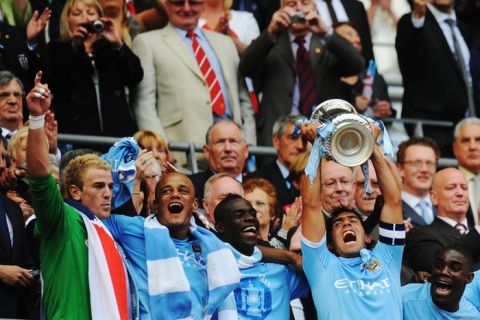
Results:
[330, 108]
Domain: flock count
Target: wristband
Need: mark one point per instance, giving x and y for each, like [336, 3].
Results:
[36, 122]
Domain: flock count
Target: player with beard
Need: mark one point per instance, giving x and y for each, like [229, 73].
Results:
[351, 281]
[265, 289]
[442, 298]
[176, 262]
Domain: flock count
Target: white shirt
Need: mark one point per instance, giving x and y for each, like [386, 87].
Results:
[413, 202]
[285, 173]
[325, 14]
[453, 223]
[441, 18]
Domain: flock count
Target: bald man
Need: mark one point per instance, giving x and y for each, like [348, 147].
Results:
[450, 196]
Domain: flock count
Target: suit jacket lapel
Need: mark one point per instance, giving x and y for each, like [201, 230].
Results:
[316, 50]
[12, 223]
[284, 49]
[175, 43]
[437, 32]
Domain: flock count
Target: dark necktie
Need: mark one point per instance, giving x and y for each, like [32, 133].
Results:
[4, 233]
[331, 11]
[461, 64]
[461, 228]
[306, 79]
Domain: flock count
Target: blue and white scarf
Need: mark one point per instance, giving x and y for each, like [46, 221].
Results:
[168, 286]
[121, 157]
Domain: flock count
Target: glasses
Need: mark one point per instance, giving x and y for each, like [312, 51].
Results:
[419, 163]
[6, 94]
[181, 3]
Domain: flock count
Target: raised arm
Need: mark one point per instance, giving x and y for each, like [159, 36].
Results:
[392, 208]
[38, 103]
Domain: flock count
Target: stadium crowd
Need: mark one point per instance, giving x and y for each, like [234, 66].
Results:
[127, 232]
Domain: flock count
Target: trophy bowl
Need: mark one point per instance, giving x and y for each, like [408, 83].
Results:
[351, 143]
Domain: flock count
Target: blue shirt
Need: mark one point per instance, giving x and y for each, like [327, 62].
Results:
[418, 305]
[349, 288]
[472, 291]
[129, 232]
[266, 289]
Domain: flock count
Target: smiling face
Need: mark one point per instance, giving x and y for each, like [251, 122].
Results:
[450, 194]
[466, 147]
[175, 195]
[338, 186]
[240, 225]
[451, 272]
[417, 170]
[347, 234]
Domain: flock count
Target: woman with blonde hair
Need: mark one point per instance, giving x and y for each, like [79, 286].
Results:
[91, 67]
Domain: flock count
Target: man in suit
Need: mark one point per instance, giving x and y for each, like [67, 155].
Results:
[11, 104]
[437, 84]
[466, 148]
[174, 99]
[276, 59]
[417, 162]
[225, 150]
[450, 196]
[335, 11]
[288, 148]
[15, 276]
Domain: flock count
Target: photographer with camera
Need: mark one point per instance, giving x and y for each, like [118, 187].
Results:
[91, 66]
[296, 40]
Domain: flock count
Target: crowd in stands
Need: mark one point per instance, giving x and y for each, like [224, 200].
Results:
[127, 232]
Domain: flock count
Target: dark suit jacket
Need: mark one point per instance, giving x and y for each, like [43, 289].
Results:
[409, 212]
[198, 180]
[72, 86]
[423, 242]
[272, 173]
[358, 16]
[433, 83]
[262, 10]
[16, 57]
[14, 301]
[272, 63]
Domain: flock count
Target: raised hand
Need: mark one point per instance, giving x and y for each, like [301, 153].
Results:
[39, 98]
[51, 131]
[110, 33]
[37, 23]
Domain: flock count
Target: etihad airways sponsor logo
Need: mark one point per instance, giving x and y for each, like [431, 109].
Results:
[362, 287]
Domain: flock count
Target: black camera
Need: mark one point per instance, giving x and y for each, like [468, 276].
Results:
[95, 26]
[298, 17]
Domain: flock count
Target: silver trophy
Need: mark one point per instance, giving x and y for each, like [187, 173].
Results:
[351, 142]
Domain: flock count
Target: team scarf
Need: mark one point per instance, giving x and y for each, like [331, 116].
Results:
[245, 262]
[107, 276]
[168, 287]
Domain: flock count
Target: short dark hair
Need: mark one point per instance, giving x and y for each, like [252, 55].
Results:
[414, 141]
[219, 212]
[336, 212]
[465, 253]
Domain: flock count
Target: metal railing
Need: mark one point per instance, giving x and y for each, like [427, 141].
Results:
[191, 149]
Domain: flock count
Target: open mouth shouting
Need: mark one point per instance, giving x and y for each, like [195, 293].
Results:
[349, 236]
[175, 207]
[443, 287]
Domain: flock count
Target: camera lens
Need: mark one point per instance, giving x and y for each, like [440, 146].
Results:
[98, 26]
